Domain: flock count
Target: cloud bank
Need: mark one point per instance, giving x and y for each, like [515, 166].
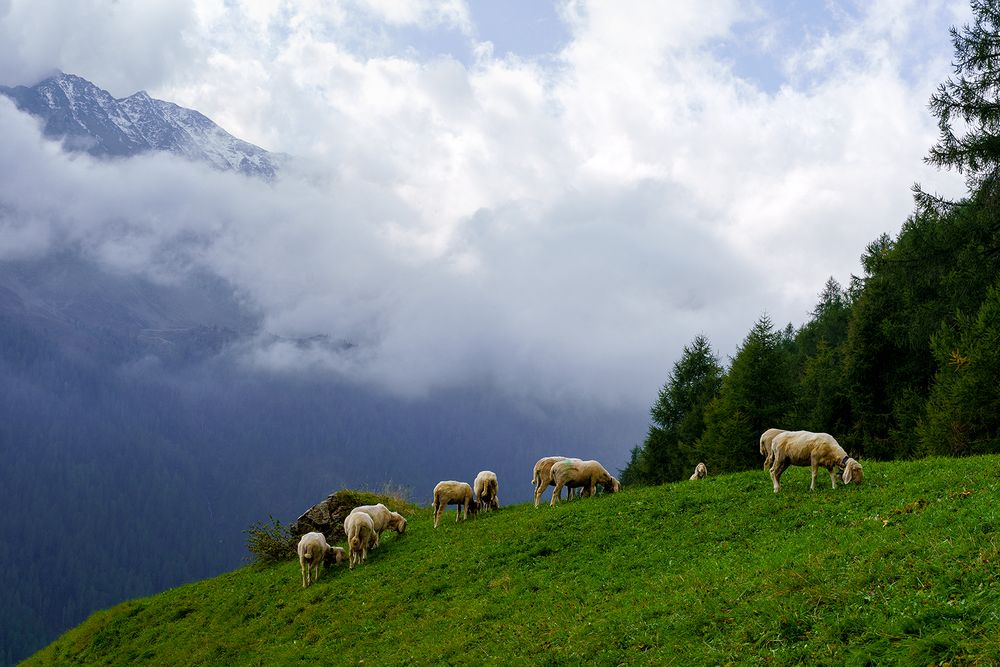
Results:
[560, 227]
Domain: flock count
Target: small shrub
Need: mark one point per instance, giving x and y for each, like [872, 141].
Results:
[270, 542]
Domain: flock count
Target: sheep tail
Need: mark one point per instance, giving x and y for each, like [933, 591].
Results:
[356, 543]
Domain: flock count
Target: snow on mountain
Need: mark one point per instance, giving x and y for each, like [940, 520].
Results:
[88, 118]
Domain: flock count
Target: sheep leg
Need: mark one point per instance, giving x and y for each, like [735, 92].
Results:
[777, 469]
[812, 484]
[302, 567]
[437, 513]
[555, 494]
[833, 477]
[768, 461]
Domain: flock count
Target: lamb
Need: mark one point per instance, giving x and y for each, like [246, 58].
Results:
[486, 490]
[541, 477]
[803, 448]
[313, 550]
[700, 472]
[452, 493]
[360, 531]
[337, 555]
[765, 445]
[383, 519]
[586, 474]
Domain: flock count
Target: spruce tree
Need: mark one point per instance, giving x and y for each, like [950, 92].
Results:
[972, 96]
[677, 418]
[756, 395]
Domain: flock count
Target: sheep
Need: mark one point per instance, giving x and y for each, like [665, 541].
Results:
[700, 472]
[486, 490]
[803, 448]
[452, 493]
[337, 555]
[383, 519]
[360, 531]
[586, 474]
[541, 477]
[313, 550]
[765, 445]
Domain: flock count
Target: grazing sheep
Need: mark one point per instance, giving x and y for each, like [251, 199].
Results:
[486, 490]
[541, 477]
[803, 448]
[452, 493]
[765, 445]
[585, 474]
[337, 555]
[700, 471]
[360, 531]
[383, 519]
[312, 550]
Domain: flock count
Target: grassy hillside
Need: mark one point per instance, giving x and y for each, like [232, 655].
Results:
[903, 569]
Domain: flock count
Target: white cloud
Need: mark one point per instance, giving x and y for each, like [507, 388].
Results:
[560, 226]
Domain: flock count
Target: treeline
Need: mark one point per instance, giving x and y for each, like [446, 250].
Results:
[902, 362]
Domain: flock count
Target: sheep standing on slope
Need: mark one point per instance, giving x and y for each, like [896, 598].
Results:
[803, 448]
[383, 519]
[700, 471]
[452, 493]
[541, 476]
[486, 490]
[360, 531]
[312, 550]
[765, 445]
[584, 474]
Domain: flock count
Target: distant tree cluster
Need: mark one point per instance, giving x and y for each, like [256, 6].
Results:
[905, 361]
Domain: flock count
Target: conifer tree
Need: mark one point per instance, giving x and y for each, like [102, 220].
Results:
[677, 418]
[970, 100]
[756, 395]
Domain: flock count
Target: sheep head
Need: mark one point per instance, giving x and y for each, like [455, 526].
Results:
[853, 472]
[398, 523]
[614, 486]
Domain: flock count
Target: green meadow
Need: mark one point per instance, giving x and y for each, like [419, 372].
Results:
[901, 570]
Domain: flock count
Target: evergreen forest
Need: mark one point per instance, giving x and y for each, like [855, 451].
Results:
[903, 361]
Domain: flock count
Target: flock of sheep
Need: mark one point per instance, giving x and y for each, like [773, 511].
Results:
[366, 523]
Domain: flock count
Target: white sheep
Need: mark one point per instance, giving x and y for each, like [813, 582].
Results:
[804, 448]
[765, 445]
[485, 487]
[383, 519]
[584, 474]
[452, 493]
[541, 476]
[700, 471]
[313, 550]
[360, 531]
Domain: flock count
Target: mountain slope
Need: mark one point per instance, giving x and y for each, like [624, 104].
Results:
[900, 570]
[89, 118]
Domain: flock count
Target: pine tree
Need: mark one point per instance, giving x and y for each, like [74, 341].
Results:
[972, 96]
[756, 395]
[963, 412]
[677, 418]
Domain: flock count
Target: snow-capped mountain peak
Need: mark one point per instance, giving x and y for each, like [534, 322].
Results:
[88, 118]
